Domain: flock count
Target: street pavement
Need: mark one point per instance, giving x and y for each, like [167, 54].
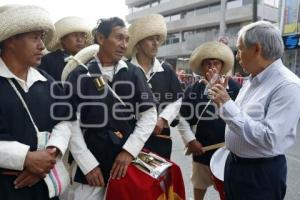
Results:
[293, 161]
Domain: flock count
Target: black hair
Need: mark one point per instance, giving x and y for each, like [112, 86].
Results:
[105, 26]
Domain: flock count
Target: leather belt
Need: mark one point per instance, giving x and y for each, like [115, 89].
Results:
[10, 173]
[238, 159]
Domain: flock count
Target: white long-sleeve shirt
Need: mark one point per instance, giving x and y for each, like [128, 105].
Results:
[170, 112]
[263, 119]
[135, 142]
[13, 153]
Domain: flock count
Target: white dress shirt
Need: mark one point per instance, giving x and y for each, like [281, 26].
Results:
[263, 119]
[13, 153]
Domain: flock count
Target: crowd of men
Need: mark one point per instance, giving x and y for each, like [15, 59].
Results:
[99, 106]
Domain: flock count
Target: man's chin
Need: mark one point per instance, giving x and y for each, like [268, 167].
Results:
[35, 64]
[117, 58]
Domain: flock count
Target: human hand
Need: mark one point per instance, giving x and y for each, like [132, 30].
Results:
[27, 179]
[160, 124]
[41, 161]
[95, 177]
[120, 165]
[195, 147]
[219, 94]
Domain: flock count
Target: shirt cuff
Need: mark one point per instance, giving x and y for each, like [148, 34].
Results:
[13, 155]
[188, 137]
[171, 111]
[165, 117]
[229, 110]
[133, 146]
[86, 162]
[60, 137]
[185, 131]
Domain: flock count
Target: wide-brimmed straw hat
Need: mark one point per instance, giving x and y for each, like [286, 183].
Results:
[69, 25]
[7, 6]
[213, 50]
[18, 19]
[153, 24]
[84, 56]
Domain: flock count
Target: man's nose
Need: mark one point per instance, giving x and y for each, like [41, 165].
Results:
[124, 44]
[237, 56]
[41, 45]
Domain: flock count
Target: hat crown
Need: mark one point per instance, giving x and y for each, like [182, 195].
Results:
[216, 50]
[22, 19]
[141, 28]
[69, 25]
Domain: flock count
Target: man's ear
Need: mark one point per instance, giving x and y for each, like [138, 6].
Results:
[100, 38]
[258, 48]
[9, 42]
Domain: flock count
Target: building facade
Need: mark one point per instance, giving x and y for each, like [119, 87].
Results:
[193, 22]
[290, 26]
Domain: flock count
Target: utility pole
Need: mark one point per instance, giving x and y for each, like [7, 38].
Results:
[223, 18]
[281, 12]
[254, 11]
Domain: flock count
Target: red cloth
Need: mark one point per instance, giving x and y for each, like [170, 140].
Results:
[219, 186]
[139, 185]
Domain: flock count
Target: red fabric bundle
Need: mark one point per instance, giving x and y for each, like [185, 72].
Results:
[139, 185]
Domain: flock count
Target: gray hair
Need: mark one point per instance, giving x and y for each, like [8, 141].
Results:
[267, 35]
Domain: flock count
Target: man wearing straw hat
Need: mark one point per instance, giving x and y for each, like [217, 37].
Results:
[71, 35]
[116, 108]
[198, 111]
[146, 35]
[28, 154]
[261, 124]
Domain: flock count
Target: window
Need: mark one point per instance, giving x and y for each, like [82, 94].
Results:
[172, 38]
[273, 3]
[175, 17]
[247, 2]
[167, 19]
[190, 13]
[163, 1]
[202, 11]
[215, 8]
[234, 4]
[155, 3]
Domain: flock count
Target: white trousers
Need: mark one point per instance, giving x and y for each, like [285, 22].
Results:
[86, 192]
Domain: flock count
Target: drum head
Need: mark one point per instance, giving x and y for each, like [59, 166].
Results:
[217, 163]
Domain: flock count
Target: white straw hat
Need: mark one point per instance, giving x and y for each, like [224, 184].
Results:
[84, 56]
[7, 6]
[69, 25]
[23, 19]
[216, 50]
[153, 24]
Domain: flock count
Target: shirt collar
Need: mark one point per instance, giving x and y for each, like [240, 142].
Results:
[66, 56]
[156, 67]
[120, 65]
[32, 76]
[266, 72]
